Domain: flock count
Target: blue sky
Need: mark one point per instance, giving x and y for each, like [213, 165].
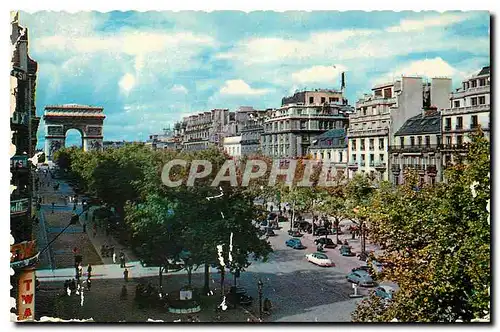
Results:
[150, 69]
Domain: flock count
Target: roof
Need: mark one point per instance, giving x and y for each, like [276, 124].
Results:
[73, 107]
[421, 124]
[484, 71]
[331, 138]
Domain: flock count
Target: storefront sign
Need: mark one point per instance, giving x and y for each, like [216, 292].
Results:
[19, 73]
[19, 206]
[20, 118]
[26, 299]
[22, 251]
[19, 162]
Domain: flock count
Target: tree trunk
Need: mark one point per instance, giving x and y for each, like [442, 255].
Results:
[293, 215]
[337, 223]
[160, 275]
[206, 286]
[222, 272]
[190, 275]
[234, 280]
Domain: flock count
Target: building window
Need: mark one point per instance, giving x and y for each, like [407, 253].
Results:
[447, 125]
[381, 158]
[459, 140]
[353, 145]
[473, 101]
[474, 83]
[482, 100]
[460, 122]
[473, 124]
[388, 93]
[353, 157]
[372, 159]
[380, 143]
[412, 141]
[456, 103]
[402, 142]
[427, 141]
[419, 138]
[448, 140]
[482, 82]
[311, 100]
[323, 100]
[329, 156]
[362, 144]
[364, 111]
[372, 144]
[438, 140]
[340, 156]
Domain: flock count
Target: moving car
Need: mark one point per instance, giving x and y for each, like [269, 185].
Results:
[361, 277]
[326, 242]
[346, 251]
[320, 259]
[384, 292]
[294, 243]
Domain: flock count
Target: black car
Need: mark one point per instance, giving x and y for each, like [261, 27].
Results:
[239, 295]
[325, 242]
[321, 231]
[294, 233]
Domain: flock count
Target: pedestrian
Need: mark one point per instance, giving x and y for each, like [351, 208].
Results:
[89, 271]
[94, 230]
[53, 206]
[267, 306]
[84, 228]
[125, 275]
[89, 284]
[80, 270]
[123, 294]
[114, 257]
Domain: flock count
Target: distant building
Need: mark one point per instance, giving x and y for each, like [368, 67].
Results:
[417, 147]
[202, 130]
[331, 147]
[118, 144]
[167, 140]
[470, 109]
[289, 130]
[232, 145]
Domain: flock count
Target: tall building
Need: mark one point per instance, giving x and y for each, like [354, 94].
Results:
[469, 109]
[24, 126]
[380, 115]
[290, 129]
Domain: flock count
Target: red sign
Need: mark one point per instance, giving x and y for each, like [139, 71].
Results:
[26, 299]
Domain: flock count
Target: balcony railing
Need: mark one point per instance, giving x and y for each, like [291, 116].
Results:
[432, 169]
[414, 149]
[380, 164]
[459, 127]
[447, 128]
[380, 147]
[363, 163]
[395, 168]
[367, 132]
[466, 109]
[371, 148]
[474, 126]
[478, 89]
[352, 164]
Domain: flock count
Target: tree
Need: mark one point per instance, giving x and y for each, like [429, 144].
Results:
[437, 241]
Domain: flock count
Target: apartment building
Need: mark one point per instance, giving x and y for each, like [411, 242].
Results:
[202, 130]
[469, 109]
[417, 146]
[290, 129]
[381, 114]
[331, 147]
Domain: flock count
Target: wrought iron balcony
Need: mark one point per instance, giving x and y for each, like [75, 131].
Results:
[395, 168]
[414, 149]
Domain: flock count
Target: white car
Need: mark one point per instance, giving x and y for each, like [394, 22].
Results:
[320, 259]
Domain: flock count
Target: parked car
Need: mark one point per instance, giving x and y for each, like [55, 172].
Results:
[377, 266]
[294, 233]
[318, 231]
[294, 243]
[320, 259]
[361, 277]
[239, 295]
[325, 242]
[346, 251]
[282, 218]
[337, 230]
[384, 292]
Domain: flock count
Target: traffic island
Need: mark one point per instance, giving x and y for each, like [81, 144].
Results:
[183, 302]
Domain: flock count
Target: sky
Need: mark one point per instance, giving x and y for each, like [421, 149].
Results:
[150, 69]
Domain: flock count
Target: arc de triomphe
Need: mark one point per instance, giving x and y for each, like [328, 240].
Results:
[88, 120]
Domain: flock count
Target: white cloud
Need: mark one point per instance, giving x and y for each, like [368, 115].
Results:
[178, 88]
[318, 74]
[429, 22]
[127, 82]
[428, 68]
[240, 87]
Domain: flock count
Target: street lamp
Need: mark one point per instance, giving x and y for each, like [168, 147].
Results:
[260, 284]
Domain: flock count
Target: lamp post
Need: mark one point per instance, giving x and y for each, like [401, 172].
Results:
[260, 284]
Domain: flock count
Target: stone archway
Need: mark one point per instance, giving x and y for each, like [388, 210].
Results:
[88, 120]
